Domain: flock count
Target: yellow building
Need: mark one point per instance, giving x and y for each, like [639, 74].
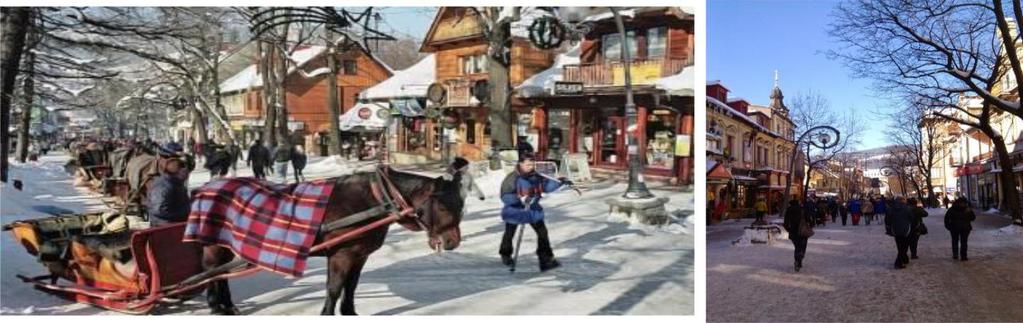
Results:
[748, 152]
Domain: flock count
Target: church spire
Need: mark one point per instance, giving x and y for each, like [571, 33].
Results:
[777, 99]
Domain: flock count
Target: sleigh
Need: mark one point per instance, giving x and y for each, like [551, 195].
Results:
[134, 271]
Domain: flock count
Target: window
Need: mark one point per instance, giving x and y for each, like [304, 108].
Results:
[350, 68]
[656, 40]
[470, 131]
[611, 46]
[473, 64]
[1009, 82]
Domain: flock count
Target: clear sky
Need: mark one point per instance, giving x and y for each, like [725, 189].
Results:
[407, 21]
[748, 40]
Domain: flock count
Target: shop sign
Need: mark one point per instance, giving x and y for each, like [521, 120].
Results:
[576, 167]
[682, 148]
[568, 88]
[641, 74]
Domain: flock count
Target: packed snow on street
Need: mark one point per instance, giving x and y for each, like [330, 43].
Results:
[849, 274]
[609, 266]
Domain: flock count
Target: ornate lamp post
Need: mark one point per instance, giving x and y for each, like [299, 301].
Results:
[822, 137]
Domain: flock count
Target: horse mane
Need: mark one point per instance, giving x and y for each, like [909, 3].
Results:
[408, 182]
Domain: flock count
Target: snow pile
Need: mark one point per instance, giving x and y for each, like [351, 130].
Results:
[339, 166]
[1010, 230]
[678, 222]
[24, 311]
[410, 82]
[991, 211]
[490, 182]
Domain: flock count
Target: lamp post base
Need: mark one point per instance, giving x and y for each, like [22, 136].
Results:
[643, 210]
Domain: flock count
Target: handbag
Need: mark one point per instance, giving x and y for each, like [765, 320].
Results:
[805, 230]
[922, 229]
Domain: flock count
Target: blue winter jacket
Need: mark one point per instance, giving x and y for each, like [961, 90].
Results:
[854, 206]
[168, 199]
[530, 188]
[879, 207]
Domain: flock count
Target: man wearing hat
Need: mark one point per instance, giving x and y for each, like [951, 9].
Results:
[521, 192]
[167, 200]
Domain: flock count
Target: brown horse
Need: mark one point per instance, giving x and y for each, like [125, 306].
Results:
[438, 210]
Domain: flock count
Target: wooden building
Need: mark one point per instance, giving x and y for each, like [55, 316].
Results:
[582, 97]
[307, 90]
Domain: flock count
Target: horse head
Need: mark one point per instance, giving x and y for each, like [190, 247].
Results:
[438, 206]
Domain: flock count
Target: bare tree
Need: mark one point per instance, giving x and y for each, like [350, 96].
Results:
[917, 135]
[496, 23]
[938, 50]
[13, 22]
[811, 109]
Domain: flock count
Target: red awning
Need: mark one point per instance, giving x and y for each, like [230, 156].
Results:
[719, 172]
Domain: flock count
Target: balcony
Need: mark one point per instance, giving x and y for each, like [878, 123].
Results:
[459, 92]
[613, 73]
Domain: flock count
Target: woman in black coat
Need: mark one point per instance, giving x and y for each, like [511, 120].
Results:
[917, 222]
[957, 221]
[794, 219]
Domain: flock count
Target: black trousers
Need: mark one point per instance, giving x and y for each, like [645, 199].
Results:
[913, 239]
[800, 243]
[902, 244]
[844, 217]
[543, 246]
[959, 239]
[258, 170]
[298, 175]
[760, 215]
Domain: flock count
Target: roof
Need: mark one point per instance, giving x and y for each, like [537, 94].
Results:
[680, 84]
[542, 84]
[248, 78]
[350, 120]
[741, 116]
[410, 82]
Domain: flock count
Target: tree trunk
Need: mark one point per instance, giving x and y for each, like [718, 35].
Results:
[28, 92]
[12, 43]
[199, 124]
[282, 98]
[500, 91]
[1010, 196]
[266, 52]
[332, 101]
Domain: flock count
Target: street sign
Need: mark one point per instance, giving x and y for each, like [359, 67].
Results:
[568, 88]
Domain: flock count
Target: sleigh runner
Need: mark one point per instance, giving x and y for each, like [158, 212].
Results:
[133, 271]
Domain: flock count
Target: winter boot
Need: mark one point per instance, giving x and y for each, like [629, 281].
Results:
[507, 260]
[549, 264]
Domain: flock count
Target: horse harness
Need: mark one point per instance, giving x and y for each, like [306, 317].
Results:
[391, 203]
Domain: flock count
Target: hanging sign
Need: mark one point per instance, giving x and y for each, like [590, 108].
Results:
[436, 93]
[546, 33]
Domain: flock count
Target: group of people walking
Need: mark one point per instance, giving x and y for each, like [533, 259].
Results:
[261, 159]
[902, 217]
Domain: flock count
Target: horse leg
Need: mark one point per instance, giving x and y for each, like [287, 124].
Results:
[218, 293]
[351, 282]
[338, 266]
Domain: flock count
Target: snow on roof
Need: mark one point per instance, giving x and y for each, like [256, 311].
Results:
[528, 15]
[741, 115]
[542, 84]
[248, 78]
[736, 99]
[410, 82]
[680, 84]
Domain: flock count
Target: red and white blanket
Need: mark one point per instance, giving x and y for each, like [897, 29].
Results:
[272, 226]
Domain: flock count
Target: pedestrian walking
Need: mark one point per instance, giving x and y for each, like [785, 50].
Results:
[855, 211]
[799, 224]
[521, 192]
[881, 208]
[918, 228]
[761, 209]
[946, 200]
[957, 222]
[298, 161]
[258, 159]
[868, 210]
[236, 155]
[843, 211]
[282, 157]
[899, 224]
[822, 212]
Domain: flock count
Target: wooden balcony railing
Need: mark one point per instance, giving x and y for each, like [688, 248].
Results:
[612, 73]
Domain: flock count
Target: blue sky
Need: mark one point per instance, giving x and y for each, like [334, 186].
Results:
[748, 40]
[407, 21]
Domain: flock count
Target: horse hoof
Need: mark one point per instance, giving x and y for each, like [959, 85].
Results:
[225, 310]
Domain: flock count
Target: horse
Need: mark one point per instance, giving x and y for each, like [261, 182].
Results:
[438, 210]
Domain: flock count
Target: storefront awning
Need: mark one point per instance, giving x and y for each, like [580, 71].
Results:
[716, 170]
[408, 107]
[373, 116]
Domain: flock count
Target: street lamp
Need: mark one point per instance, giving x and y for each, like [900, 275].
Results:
[637, 188]
[822, 137]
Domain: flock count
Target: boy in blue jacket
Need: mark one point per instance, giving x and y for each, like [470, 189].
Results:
[521, 192]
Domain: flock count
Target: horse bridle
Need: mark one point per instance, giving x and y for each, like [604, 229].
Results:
[390, 195]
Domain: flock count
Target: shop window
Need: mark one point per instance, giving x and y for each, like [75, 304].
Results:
[350, 67]
[558, 128]
[660, 133]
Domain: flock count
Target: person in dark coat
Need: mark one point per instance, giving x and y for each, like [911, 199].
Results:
[918, 213]
[521, 192]
[881, 208]
[298, 161]
[794, 217]
[957, 222]
[167, 200]
[822, 212]
[843, 212]
[810, 209]
[524, 148]
[899, 224]
[833, 209]
[259, 159]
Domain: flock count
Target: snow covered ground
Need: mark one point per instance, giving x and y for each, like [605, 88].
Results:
[608, 267]
[848, 275]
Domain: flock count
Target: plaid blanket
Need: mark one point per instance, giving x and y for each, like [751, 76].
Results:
[272, 226]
